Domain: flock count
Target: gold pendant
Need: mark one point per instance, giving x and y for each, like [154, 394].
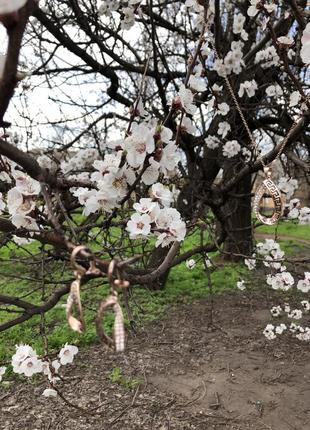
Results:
[268, 187]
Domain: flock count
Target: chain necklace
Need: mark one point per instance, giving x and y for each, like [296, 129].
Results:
[268, 186]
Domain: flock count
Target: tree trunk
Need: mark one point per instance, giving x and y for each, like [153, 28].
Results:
[238, 224]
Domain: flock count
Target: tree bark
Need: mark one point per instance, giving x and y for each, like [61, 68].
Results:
[239, 241]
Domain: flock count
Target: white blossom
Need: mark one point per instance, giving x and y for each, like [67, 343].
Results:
[139, 225]
[280, 328]
[128, 18]
[274, 91]
[306, 305]
[293, 214]
[280, 281]
[217, 88]
[305, 41]
[147, 206]
[238, 23]
[269, 332]
[49, 392]
[197, 84]
[108, 6]
[267, 57]
[223, 129]
[250, 262]
[170, 227]
[169, 158]
[138, 145]
[110, 163]
[252, 10]
[294, 98]
[212, 142]
[67, 353]
[223, 109]
[303, 285]
[190, 264]
[30, 366]
[186, 98]
[304, 215]
[188, 125]
[248, 87]
[2, 372]
[295, 314]
[162, 194]
[150, 175]
[231, 148]
[240, 285]
[276, 311]
[285, 41]
[288, 186]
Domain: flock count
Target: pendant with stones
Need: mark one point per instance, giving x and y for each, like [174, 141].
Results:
[268, 191]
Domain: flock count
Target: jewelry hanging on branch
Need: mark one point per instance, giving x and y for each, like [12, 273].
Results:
[268, 187]
[270, 190]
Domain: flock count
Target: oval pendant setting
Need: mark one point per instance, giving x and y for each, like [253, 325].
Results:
[269, 187]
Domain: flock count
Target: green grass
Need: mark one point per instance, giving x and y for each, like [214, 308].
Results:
[287, 228]
[128, 382]
[184, 286]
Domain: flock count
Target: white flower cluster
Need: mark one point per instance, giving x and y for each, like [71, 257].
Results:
[301, 333]
[2, 372]
[81, 160]
[288, 186]
[26, 362]
[248, 87]
[212, 142]
[241, 285]
[268, 57]
[238, 26]
[231, 148]
[196, 82]
[295, 98]
[190, 264]
[127, 13]
[21, 200]
[281, 279]
[111, 181]
[223, 129]
[269, 246]
[271, 331]
[195, 7]
[305, 41]
[273, 258]
[153, 215]
[274, 91]
[186, 99]
[233, 61]
[303, 285]
[296, 212]
[256, 5]
[272, 254]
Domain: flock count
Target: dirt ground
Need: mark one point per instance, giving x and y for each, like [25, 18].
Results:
[190, 375]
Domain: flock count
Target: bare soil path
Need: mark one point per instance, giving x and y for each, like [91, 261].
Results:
[299, 240]
[181, 373]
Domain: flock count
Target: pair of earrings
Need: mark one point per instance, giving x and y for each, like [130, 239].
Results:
[77, 323]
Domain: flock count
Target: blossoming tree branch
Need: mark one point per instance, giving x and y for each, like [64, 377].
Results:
[129, 126]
